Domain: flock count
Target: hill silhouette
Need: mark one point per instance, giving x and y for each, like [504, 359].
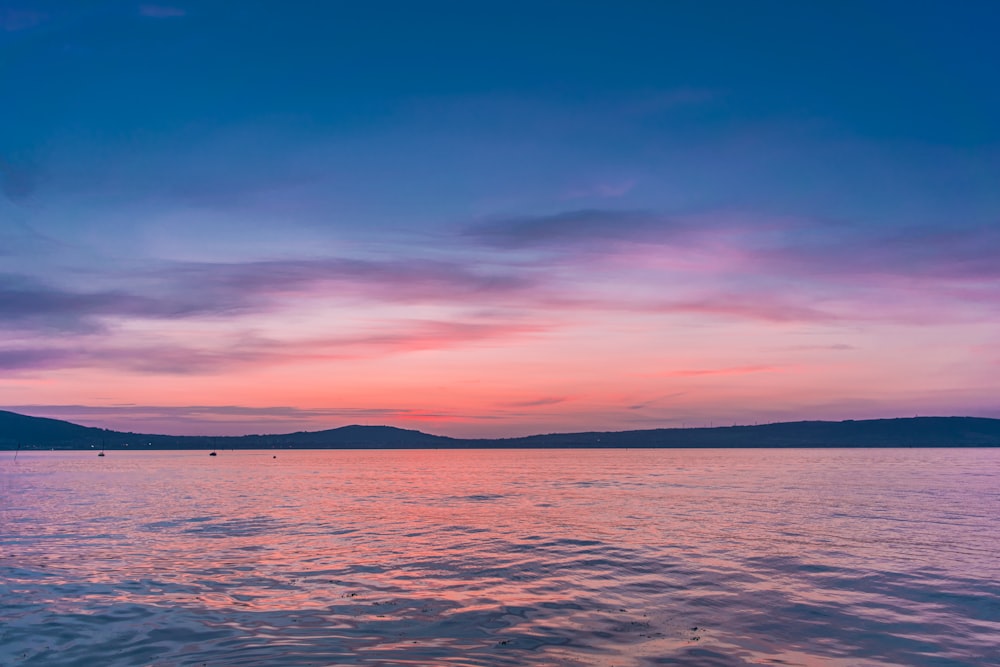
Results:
[42, 433]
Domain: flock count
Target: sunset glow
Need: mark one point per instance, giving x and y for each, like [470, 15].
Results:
[222, 221]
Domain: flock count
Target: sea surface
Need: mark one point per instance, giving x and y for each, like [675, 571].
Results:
[501, 557]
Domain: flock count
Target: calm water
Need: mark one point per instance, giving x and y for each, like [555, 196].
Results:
[542, 557]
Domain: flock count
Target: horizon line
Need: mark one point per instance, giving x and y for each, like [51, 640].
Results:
[500, 438]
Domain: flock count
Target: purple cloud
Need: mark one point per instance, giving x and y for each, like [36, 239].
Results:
[26, 302]
[36, 358]
[788, 247]
[762, 268]
[962, 252]
[401, 279]
[750, 305]
[196, 289]
[164, 356]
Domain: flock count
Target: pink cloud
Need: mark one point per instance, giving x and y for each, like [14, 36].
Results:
[537, 402]
[759, 306]
[736, 370]
[167, 356]
[412, 336]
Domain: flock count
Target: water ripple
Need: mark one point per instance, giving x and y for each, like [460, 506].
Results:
[640, 558]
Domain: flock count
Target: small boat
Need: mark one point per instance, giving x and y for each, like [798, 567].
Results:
[212, 454]
[101, 453]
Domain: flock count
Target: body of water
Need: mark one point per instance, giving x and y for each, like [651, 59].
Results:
[501, 557]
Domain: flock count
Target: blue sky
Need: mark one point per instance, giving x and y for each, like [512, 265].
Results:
[497, 217]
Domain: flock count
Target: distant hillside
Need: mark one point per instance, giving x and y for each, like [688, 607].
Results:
[907, 432]
[16, 428]
[40, 433]
[352, 437]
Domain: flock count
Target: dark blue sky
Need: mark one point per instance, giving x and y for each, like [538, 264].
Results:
[198, 189]
[907, 71]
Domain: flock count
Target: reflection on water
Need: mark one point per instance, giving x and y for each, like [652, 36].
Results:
[542, 557]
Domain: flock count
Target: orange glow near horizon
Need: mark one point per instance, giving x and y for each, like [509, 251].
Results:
[641, 371]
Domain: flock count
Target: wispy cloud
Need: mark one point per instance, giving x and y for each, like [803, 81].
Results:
[35, 358]
[27, 302]
[853, 253]
[752, 305]
[201, 411]
[734, 370]
[765, 273]
[177, 290]
[572, 228]
[165, 354]
[536, 402]
[394, 279]
[815, 249]
[17, 180]
[669, 100]
[13, 20]
[161, 11]
[608, 189]
[761, 268]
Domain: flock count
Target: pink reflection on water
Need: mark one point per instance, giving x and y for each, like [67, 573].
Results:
[813, 557]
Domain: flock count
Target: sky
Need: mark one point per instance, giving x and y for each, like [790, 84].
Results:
[498, 218]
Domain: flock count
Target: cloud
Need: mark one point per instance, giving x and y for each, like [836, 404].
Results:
[173, 290]
[37, 358]
[212, 411]
[17, 181]
[758, 267]
[578, 227]
[916, 274]
[734, 370]
[759, 304]
[669, 100]
[537, 402]
[165, 359]
[603, 190]
[961, 252]
[18, 238]
[397, 279]
[105, 334]
[774, 274]
[762, 245]
[748, 305]
[26, 301]
[161, 11]
[14, 20]
[414, 335]
[163, 354]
